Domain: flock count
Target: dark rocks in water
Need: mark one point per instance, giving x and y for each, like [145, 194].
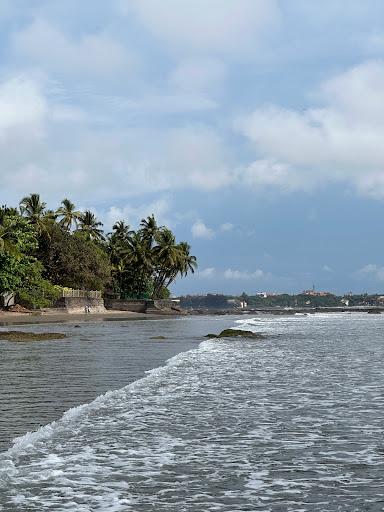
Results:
[284, 312]
[31, 336]
[157, 338]
[374, 312]
[236, 333]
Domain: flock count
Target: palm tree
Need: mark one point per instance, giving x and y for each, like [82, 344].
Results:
[118, 241]
[187, 262]
[35, 211]
[32, 207]
[90, 226]
[69, 215]
[149, 230]
[167, 261]
[138, 261]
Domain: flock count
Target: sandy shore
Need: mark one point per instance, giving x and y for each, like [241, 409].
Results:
[31, 318]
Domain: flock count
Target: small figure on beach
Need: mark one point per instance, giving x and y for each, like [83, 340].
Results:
[87, 309]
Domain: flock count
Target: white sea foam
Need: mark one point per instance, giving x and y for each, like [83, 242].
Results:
[28, 440]
[224, 427]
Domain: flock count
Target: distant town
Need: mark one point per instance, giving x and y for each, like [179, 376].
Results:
[306, 299]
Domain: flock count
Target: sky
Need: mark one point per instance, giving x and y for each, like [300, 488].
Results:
[254, 129]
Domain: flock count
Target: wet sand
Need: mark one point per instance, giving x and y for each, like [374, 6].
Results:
[40, 318]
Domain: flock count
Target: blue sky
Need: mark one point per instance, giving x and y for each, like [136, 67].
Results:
[253, 128]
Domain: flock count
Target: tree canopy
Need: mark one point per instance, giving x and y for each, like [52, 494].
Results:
[42, 249]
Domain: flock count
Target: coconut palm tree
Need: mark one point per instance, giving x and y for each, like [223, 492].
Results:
[118, 241]
[166, 258]
[187, 262]
[149, 230]
[90, 227]
[32, 207]
[35, 211]
[69, 215]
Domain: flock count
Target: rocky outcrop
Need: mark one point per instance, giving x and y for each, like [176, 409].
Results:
[236, 333]
[31, 336]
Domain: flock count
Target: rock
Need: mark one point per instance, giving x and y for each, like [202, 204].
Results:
[31, 336]
[16, 308]
[236, 333]
[374, 312]
[157, 338]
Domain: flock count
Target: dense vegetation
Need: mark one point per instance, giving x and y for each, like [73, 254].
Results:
[42, 250]
[292, 301]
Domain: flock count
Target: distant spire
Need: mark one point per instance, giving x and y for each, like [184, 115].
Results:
[313, 287]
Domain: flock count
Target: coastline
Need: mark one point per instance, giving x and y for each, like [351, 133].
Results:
[61, 317]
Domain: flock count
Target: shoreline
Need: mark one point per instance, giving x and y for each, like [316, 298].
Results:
[30, 318]
[9, 318]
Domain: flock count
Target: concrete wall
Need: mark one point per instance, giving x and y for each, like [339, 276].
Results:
[136, 306]
[79, 304]
[140, 306]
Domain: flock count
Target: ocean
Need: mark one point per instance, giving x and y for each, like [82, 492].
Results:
[293, 422]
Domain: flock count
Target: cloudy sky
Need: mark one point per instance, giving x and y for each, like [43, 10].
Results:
[253, 128]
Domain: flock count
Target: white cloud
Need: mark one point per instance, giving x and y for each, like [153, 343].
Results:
[173, 103]
[200, 230]
[43, 44]
[326, 268]
[62, 151]
[227, 226]
[372, 270]
[232, 275]
[133, 215]
[198, 74]
[230, 26]
[243, 274]
[339, 141]
[206, 273]
[22, 105]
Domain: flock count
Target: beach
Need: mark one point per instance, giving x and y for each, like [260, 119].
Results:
[7, 318]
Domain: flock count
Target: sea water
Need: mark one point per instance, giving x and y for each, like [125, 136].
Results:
[293, 422]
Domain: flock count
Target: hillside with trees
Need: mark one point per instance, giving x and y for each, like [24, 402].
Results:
[42, 251]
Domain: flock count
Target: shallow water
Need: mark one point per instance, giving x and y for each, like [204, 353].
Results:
[291, 423]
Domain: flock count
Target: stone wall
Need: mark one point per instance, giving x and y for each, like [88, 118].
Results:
[80, 304]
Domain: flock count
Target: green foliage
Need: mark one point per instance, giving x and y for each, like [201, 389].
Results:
[90, 227]
[164, 293]
[23, 276]
[73, 261]
[39, 293]
[17, 265]
[39, 252]
[146, 262]
[68, 214]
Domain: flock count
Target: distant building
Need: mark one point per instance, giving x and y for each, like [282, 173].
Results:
[265, 294]
[313, 293]
[237, 303]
